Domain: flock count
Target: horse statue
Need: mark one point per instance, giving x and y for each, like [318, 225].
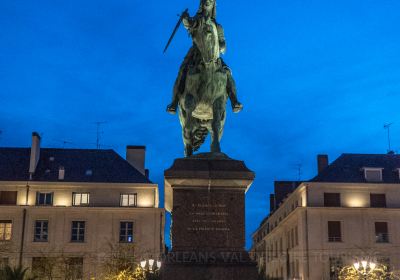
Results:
[204, 82]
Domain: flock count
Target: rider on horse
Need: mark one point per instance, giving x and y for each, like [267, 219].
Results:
[206, 12]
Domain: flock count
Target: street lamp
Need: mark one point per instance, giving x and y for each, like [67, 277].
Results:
[151, 265]
[365, 267]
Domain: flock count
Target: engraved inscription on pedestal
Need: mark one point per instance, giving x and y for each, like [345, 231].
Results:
[209, 220]
[209, 217]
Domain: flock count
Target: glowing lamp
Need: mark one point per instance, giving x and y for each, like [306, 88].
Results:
[372, 266]
[151, 262]
[143, 264]
[364, 264]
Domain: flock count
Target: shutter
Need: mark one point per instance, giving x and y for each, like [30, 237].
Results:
[8, 198]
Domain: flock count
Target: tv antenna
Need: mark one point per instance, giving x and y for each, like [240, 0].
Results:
[298, 167]
[99, 132]
[387, 127]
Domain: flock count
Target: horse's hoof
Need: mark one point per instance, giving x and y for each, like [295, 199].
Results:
[237, 107]
[215, 148]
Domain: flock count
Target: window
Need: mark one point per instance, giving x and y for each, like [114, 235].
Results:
[80, 199]
[378, 200]
[41, 231]
[332, 200]
[288, 241]
[78, 231]
[43, 267]
[297, 269]
[373, 174]
[129, 200]
[335, 266]
[334, 231]
[44, 199]
[126, 232]
[5, 230]
[3, 262]
[74, 269]
[381, 232]
[8, 198]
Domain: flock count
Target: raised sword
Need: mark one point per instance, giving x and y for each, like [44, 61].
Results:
[175, 29]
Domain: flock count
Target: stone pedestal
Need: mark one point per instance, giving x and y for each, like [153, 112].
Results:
[206, 197]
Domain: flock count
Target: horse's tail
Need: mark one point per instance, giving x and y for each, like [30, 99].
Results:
[199, 136]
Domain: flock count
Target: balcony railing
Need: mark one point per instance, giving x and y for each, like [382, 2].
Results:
[335, 239]
[382, 238]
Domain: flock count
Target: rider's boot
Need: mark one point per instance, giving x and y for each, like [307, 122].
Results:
[171, 108]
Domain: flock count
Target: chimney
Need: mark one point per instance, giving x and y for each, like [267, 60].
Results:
[35, 153]
[135, 155]
[272, 204]
[323, 162]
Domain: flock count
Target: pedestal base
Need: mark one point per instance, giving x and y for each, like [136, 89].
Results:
[211, 271]
[206, 197]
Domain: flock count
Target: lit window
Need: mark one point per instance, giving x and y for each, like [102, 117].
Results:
[44, 199]
[5, 230]
[126, 232]
[80, 199]
[78, 231]
[129, 200]
[41, 231]
[373, 174]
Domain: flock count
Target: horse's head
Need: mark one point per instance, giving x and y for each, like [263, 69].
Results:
[205, 37]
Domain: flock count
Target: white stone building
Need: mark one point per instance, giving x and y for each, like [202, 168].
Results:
[350, 211]
[77, 205]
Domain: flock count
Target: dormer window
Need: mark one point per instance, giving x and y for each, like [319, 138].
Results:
[397, 170]
[373, 174]
[61, 173]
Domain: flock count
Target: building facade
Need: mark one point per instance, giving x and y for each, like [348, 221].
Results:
[76, 207]
[349, 212]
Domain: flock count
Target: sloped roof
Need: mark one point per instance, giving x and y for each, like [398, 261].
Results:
[81, 165]
[349, 168]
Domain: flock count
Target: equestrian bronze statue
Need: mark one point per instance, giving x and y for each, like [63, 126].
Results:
[204, 81]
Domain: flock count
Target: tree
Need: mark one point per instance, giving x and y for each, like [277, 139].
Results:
[380, 272]
[15, 273]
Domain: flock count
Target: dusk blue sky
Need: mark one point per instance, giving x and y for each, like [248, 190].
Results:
[315, 76]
